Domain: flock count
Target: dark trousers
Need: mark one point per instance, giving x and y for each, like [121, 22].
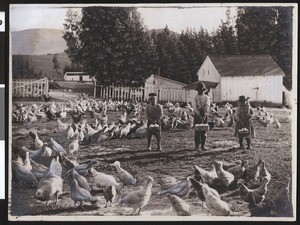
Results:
[156, 133]
[241, 139]
[200, 136]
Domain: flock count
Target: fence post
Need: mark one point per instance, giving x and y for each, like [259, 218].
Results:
[95, 89]
[47, 84]
[113, 92]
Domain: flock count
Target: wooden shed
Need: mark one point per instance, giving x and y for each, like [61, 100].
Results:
[166, 89]
[155, 81]
[255, 76]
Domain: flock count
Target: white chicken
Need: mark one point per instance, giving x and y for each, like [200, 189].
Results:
[216, 206]
[125, 130]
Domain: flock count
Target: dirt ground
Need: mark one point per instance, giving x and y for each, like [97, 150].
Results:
[176, 159]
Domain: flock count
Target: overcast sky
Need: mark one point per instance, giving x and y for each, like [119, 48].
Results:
[24, 17]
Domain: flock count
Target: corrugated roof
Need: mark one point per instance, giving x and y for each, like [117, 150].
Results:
[245, 65]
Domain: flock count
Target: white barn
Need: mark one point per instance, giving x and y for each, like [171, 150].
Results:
[255, 76]
[78, 76]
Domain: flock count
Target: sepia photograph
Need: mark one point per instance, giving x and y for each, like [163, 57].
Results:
[152, 112]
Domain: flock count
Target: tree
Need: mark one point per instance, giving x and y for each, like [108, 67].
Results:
[166, 48]
[193, 47]
[72, 68]
[71, 31]
[22, 68]
[180, 56]
[267, 30]
[224, 38]
[256, 31]
[284, 47]
[56, 66]
[112, 44]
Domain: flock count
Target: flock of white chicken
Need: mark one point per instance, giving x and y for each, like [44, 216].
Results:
[28, 166]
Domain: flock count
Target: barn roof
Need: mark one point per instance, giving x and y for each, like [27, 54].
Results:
[167, 79]
[208, 84]
[245, 65]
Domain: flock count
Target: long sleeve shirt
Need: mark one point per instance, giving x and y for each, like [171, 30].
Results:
[154, 113]
[201, 103]
[243, 113]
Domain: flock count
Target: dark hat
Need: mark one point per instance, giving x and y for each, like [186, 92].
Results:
[201, 87]
[151, 95]
[242, 98]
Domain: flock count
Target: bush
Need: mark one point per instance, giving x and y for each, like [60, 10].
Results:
[53, 85]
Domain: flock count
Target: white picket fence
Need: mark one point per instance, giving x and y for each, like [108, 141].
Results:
[30, 87]
[140, 93]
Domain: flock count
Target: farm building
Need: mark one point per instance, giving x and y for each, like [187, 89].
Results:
[166, 90]
[229, 76]
[78, 76]
[157, 82]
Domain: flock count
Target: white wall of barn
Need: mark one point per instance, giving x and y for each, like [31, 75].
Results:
[208, 72]
[258, 88]
[192, 93]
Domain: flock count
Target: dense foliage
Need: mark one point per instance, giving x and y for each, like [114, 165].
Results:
[56, 67]
[113, 44]
[267, 30]
[22, 68]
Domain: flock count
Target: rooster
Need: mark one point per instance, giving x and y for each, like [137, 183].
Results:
[45, 98]
[76, 117]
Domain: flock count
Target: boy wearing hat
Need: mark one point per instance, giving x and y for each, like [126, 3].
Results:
[243, 115]
[200, 105]
[154, 112]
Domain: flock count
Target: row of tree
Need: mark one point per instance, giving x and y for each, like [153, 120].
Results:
[114, 45]
[23, 68]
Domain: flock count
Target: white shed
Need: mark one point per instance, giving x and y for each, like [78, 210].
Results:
[255, 76]
[155, 81]
[78, 76]
[166, 89]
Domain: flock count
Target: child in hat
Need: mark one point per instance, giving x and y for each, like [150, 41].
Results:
[154, 112]
[243, 115]
[200, 105]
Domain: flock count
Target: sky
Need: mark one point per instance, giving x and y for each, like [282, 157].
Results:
[24, 17]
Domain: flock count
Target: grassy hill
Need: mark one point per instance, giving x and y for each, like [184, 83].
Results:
[38, 42]
[44, 63]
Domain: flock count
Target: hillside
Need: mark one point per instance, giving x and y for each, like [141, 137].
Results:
[44, 63]
[38, 42]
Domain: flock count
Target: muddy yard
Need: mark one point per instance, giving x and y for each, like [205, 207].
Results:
[176, 159]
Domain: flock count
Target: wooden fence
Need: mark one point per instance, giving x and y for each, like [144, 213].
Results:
[139, 93]
[30, 87]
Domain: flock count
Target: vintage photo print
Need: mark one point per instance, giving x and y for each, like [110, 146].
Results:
[152, 112]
